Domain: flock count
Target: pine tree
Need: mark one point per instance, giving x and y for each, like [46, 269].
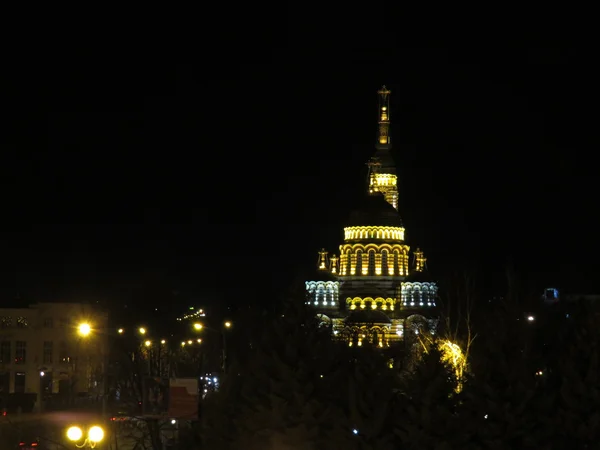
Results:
[425, 408]
[500, 405]
[573, 382]
[279, 395]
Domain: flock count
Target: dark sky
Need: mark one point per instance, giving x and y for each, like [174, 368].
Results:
[222, 184]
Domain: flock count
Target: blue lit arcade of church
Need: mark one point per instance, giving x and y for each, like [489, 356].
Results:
[375, 291]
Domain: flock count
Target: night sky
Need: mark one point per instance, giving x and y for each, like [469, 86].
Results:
[185, 185]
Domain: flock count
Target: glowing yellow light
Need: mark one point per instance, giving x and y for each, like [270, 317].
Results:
[120, 330]
[84, 329]
[147, 343]
[197, 326]
[163, 341]
[455, 358]
[199, 341]
[374, 232]
[74, 434]
[190, 342]
[227, 324]
[142, 330]
[183, 344]
[96, 434]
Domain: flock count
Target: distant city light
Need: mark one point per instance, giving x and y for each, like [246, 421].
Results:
[531, 318]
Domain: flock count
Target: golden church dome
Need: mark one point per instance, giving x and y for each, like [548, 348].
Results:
[374, 210]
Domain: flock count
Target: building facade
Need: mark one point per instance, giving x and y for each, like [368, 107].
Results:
[41, 350]
[376, 291]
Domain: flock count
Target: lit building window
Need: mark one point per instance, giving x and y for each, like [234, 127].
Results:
[384, 262]
[20, 352]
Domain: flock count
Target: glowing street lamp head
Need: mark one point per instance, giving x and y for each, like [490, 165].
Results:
[142, 330]
[84, 329]
[228, 324]
[120, 330]
[148, 343]
[197, 326]
[74, 434]
[95, 434]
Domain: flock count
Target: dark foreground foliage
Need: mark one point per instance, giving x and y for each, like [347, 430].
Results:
[532, 386]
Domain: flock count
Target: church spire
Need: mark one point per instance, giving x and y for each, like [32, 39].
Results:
[382, 170]
[383, 136]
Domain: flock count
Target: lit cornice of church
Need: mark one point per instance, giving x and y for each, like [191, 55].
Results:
[370, 293]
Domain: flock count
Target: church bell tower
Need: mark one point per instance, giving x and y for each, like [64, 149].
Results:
[382, 170]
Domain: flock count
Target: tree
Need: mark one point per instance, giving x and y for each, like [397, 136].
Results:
[571, 382]
[426, 406]
[283, 393]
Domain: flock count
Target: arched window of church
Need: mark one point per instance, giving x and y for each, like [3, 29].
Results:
[384, 262]
[359, 261]
[396, 262]
[375, 337]
[415, 296]
[321, 297]
[371, 262]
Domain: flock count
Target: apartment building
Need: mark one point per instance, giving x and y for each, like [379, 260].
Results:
[42, 350]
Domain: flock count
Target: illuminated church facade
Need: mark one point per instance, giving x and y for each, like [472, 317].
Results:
[375, 292]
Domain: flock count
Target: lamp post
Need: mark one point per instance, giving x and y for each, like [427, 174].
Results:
[94, 435]
[226, 326]
[85, 331]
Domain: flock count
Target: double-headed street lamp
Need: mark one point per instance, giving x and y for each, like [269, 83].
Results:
[94, 435]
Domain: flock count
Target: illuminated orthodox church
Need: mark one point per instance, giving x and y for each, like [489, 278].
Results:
[374, 292]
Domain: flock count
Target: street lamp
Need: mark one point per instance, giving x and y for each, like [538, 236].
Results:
[142, 330]
[94, 435]
[226, 325]
[84, 329]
